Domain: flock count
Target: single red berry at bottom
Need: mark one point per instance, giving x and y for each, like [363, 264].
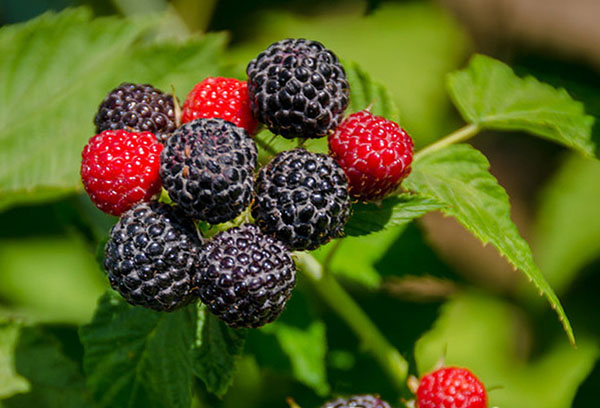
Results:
[451, 387]
[121, 168]
[218, 97]
[374, 152]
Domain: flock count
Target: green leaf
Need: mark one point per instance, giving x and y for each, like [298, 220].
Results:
[216, 350]
[490, 95]
[487, 336]
[67, 280]
[356, 257]
[306, 349]
[10, 381]
[391, 212]
[417, 43]
[458, 176]
[56, 381]
[567, 227]
[366, 93]
[138, 357]
[54, 72]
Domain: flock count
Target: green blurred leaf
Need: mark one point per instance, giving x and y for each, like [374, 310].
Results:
[458, 176]
[10, 381]
[55, 71]
[216, 350]
[367, 93]
[138, 357]
[567, 227]
[306, 349]
[355, 256]
[60, 283]
[489, 336]
[391, 212]
[408, 46]
[490, 95]
[56, 381]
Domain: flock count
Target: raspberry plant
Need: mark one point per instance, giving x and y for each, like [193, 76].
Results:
[134, 356]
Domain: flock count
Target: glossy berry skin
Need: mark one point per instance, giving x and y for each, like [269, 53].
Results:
[151, 256]
[137, 107]
[374, 152]
[298, 88]
[218, 97]
[245, 277]
[121, 168]
[357, 401]
[207, 167]
[451, 387]
[302, 199]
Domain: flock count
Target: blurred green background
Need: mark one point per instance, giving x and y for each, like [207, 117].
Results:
[431, 287]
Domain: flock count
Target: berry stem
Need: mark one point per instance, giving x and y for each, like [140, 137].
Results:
[459, 135]
[348, 310]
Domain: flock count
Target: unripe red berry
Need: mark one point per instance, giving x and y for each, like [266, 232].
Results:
[451, 387]
[218, 97]
[374, 152]
[121, 168]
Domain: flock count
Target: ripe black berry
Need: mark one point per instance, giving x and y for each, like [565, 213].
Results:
[150, 257]
[245, 277]
[302, 199]
[207, 167]
[142, 108]
[357, 401]
[298, 88]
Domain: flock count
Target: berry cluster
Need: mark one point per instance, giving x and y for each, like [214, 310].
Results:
[205, 160]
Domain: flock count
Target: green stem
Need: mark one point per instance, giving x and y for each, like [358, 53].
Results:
[460, 135]
[372, 340]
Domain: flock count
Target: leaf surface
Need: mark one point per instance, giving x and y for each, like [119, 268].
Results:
[489, 94]
[459, 177]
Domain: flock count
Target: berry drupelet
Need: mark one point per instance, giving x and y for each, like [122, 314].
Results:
[451, 387]
[245, 277]
[141, 108]
[121, 168]
[374, 152]
[302, 199]
[298, 88]
[357, 401]
[207, 167]
[218, 97]
[151, 255]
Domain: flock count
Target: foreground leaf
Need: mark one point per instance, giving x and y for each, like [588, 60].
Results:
[56, 381]
[489, 94]
[138, 357]
[458, 176]
[391, 212]
[54, 72]
[216, 351]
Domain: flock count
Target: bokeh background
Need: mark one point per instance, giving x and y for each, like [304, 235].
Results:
[431, 287]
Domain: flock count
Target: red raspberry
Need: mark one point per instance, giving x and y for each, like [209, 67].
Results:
[451, 387]
[374, 152]
[225, 98]
[121, 168]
